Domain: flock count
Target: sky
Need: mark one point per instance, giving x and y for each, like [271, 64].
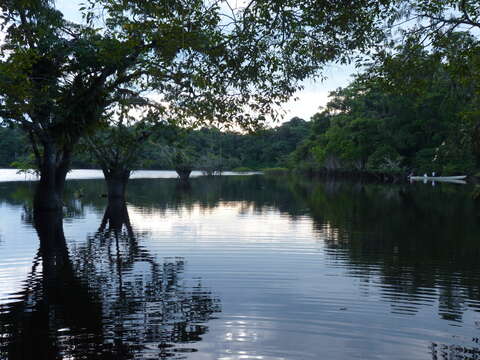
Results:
[310, 99]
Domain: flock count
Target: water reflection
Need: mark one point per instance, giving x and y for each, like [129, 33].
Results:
[410, 242]
[306, 268]
[419, 247]
[107, 299]
[149, 307]
[55, 310]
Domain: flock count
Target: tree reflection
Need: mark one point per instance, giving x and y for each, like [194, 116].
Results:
[415, 242]
[454, 352]
[405, 242]
[256, 193]
[107, 299]
[150, 305]
[48, 317]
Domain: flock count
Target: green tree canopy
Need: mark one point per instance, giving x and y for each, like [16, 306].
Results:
[416, 108]
[201, 61]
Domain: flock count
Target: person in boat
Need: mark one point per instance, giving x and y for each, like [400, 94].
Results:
[433, 174]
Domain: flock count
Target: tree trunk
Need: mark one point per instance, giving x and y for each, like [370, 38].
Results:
[117, 180]
[54, 166]
[476, 142]
[183, 172]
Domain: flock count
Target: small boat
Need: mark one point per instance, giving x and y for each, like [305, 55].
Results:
[438, 178]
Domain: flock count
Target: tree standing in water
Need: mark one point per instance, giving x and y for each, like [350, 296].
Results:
[201, 60]
[118, 147]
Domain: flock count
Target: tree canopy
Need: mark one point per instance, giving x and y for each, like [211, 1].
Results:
[416, 109]
[194, 61]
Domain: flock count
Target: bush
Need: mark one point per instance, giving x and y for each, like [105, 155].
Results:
[210, 164]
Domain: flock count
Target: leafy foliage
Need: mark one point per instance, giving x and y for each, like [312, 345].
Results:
[414, 109]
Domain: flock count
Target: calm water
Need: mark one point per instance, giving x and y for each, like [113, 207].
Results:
[242, 267]
[7, 175]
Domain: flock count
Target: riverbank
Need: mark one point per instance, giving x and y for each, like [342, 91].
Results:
[373, 176]
[392, 177]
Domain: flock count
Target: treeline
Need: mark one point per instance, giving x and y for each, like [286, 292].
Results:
[13, 146]
[204, 148]
[266, 148]
[414, 110]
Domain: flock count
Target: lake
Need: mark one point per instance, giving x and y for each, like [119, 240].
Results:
[242, 267]
[7, 175]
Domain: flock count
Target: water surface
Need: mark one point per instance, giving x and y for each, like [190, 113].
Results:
[82, 174]
[242, 267]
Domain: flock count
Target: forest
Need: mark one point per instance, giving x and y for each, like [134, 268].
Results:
[201, 86]
[415, 110]
[412, 111]
[205, 147]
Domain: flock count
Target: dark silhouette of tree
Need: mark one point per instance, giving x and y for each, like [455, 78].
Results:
[94, 303]
[53, 300]
[204, 61]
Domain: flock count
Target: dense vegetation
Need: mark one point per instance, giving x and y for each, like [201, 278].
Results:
[197, 62]
[416, 110]
[414, 106]
[13, 146]
[267, 148]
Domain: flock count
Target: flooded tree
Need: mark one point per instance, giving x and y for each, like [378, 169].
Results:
[121, 146]
[117, 150]
[201, 60]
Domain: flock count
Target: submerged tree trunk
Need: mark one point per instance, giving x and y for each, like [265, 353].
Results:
[183, 172]
[476, 142]
[54, 165]
[117, 180]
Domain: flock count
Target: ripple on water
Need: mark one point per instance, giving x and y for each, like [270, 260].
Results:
[244, 269]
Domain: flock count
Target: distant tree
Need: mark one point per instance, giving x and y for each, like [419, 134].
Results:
[183, 161]
[120, 145]
[12, 146]
[210, 164]
[117, 149]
